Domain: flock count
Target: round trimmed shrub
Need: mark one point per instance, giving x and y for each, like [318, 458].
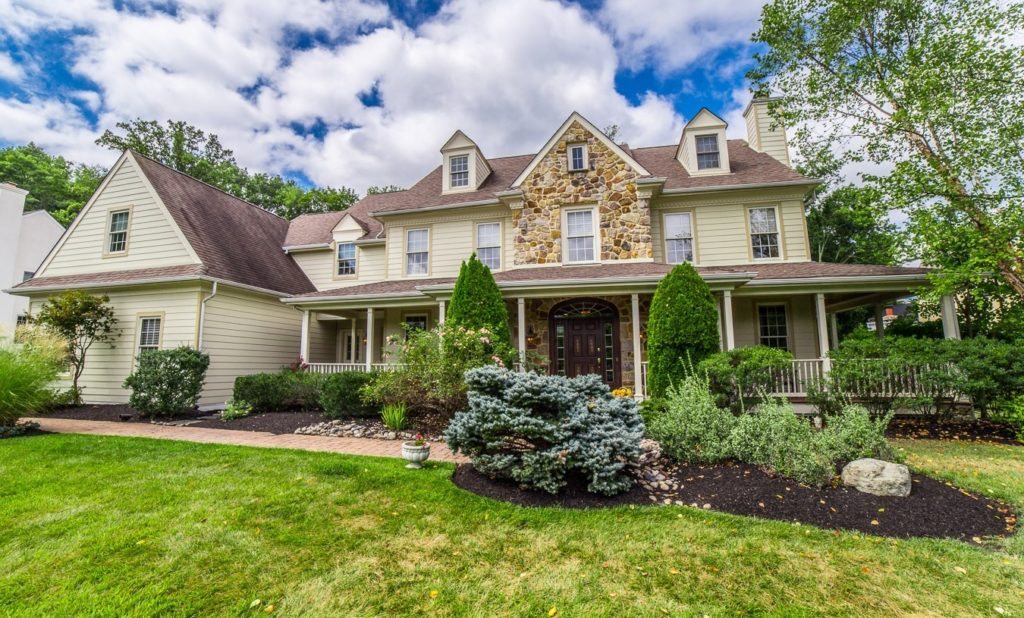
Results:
[536, 430]
[341, 395]
[682, 329]
[167, 382]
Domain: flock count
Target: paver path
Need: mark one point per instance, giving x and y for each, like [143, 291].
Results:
[349, 446]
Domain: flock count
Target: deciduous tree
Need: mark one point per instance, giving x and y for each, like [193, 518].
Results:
[82, 319]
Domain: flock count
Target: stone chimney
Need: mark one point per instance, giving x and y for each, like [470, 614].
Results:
[765, 134]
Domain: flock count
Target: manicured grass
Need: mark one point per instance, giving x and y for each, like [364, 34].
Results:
[117, 526]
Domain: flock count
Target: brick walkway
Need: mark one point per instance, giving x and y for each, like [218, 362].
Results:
[348, 446]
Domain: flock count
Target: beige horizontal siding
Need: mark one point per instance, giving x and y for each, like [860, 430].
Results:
[152, 238]
[246, 333]
[803, 337]
[108, 364]
[323, 340]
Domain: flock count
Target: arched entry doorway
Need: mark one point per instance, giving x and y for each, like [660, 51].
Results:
[585, 339]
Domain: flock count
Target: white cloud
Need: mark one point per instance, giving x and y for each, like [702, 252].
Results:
[675, 34]
[10, 70]
[507, 73]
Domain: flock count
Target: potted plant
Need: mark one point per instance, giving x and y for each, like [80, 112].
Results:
[416, 452]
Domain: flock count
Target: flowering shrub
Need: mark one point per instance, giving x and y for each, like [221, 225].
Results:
[622, 391]
[433, 364]
[536, 430]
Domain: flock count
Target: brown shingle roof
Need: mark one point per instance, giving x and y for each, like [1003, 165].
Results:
[236, 241]
[597, 272]
[748, 167]
[121, 276]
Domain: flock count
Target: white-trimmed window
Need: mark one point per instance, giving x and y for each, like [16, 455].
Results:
[488, 244]
[458, 169]
[707, 152]
[678, 237]
[417, 243]
[576, 154]
[353, 345]
[580, 236]
[149, 334]
[415, 322]
[346, 258]
[117, 231]
[764, 233]
[772, 326]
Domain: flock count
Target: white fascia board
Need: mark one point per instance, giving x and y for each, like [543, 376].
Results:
[759, 185]
[156, 280]
[301, 248]
[488, 202]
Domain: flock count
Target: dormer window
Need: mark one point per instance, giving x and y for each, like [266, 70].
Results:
[577, 156]
[707, 152]
[459, 170]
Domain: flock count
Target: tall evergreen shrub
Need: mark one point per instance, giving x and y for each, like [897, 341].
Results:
[477, 302]
[682, 329]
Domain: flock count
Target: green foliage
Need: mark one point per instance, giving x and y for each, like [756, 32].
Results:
[81, 319]
[190, 150]
[689, 425]
[341, 395]
[432, 366]
[284, 390]
[477, 303]
[932, 90]
[235, 409]
[854, 434]
[167, 382]
[394, 416]
[850, 225]
[25, 373]
[682, 328]
[536, 430]
[740, 376]
[56, 185]
[377, 190]
[774, 436]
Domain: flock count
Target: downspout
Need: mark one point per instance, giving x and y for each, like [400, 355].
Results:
[202, 314]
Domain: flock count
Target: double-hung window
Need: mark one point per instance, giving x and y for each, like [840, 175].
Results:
[488, 244]
[149, 334]
[117, 232]
[416, 252]
[773, 329]
[577, 155]
[678, 238]
[579, 235]
[346, 258]
[459, 171]
[764, 233]
[415, 322]
[707, 152]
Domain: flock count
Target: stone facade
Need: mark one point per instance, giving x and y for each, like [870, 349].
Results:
[538, 311]
[609, 184]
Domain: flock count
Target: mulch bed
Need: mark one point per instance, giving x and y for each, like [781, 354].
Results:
[113, 412]
[269, 422]
[933, 509]
[972, 430]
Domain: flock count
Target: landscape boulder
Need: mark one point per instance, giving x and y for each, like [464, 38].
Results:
[877, 477]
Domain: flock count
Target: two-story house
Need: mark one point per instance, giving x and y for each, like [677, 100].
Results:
[577, 235]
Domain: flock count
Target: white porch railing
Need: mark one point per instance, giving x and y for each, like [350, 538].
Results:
[793, 381]
[343, 367]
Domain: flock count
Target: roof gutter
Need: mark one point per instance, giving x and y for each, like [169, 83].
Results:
[313, 247]
[487, 202]
[761, 185]
[923, 277]
[28, 291]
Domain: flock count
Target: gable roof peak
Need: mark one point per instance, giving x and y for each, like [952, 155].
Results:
[704, 115]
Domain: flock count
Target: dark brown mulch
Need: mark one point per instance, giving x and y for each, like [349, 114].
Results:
[113, 412]
[574, 495]
[972, 430]
[269, 422]
[933, 509]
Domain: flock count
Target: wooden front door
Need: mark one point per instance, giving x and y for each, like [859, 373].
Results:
[585, 340]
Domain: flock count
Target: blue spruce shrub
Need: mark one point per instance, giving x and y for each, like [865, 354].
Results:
[536, 429]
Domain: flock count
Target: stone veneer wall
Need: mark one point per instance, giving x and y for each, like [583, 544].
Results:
[539, 309]
[610, 184]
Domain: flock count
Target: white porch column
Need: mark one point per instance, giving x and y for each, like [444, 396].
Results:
[880, 320]
[950, 325]
[833, 325]
[638, 366]
[440, 312]
[369, 339]
[521, 323]
[353, 345]
[730, 335]
[819, 312]
[304, 341]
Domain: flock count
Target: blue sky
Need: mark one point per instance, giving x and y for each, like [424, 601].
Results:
[358, 92]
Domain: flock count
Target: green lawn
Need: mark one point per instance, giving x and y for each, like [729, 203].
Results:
[118, 526]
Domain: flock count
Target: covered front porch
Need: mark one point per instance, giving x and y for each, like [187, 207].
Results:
[598, 325]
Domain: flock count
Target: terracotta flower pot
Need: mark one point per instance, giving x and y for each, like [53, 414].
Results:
[415, 455]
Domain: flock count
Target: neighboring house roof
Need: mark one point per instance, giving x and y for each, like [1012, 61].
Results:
[595, 273]
[235, 240]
